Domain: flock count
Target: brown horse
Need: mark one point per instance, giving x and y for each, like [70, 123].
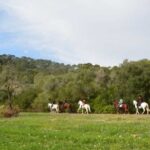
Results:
[122, 109]
[65, 107]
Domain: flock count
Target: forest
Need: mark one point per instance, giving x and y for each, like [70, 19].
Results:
[31, 83]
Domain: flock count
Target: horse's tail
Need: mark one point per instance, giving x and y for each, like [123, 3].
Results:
[148, 110]
[126, 108]
[147, 106]
[89, 108]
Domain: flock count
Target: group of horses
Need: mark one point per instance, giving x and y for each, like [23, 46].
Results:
[125, 109]
[67, 107]
[85, 108]
[60, 107]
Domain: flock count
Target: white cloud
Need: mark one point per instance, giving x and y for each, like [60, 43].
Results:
[78, 31]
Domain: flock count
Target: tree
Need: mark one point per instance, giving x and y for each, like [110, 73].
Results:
[9, 83]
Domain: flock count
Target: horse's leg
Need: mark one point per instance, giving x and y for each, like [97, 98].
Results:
[89, 109]
[136, 108]
[124, 110]
[118, 112]
[147, 111]
[127, 109]
[137, 111]
[82, 110]
[143, 111]
[78, 110]
[70, 108]
[57, 110]
[86, 110]
[50, 109]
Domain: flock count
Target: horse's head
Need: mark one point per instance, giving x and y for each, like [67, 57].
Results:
[80, 102]
[115, 103]
[135, 103]
[50, 105]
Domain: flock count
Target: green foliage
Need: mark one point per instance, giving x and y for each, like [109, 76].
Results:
[26, 98]
[9, 82]
[3, 96]
[31, 83]
[40, 102]
[108, 109]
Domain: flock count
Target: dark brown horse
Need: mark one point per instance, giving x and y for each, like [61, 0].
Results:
[65, 107]
[122, 109]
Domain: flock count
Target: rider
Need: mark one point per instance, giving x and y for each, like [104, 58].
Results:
[139, 100]
[120, 102]
[84, 101]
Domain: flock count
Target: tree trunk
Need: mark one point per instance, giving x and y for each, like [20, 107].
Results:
[10, 99]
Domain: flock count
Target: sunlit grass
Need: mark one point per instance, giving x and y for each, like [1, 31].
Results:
[44, 131]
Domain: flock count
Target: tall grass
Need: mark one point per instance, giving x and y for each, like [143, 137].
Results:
[44, 131]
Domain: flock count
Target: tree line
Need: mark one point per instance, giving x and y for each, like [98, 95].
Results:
[32, 83]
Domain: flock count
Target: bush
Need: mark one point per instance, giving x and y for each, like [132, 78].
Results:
[7, 112]
[1, 109]
[25, 99]
[108, 109]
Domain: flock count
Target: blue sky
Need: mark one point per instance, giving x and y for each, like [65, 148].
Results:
[103, 32]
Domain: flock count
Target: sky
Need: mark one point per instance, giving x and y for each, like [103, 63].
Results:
[103, 32]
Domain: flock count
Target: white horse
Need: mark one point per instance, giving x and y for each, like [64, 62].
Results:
[53, 107]
[83, 107]
[143, 106]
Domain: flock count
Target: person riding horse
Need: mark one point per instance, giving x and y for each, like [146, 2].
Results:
[83, 106]
[139, 100]
[84, 101]
[120, 106]
[120, 103]
[65, 106]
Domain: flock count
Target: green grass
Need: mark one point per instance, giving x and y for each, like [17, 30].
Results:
[44, 131]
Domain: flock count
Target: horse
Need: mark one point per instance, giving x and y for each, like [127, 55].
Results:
[53, 107]
[83, 106]
[65, 107]
[143, 106]
[123, 108]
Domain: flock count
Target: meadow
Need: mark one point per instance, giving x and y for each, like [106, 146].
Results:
[50, 131]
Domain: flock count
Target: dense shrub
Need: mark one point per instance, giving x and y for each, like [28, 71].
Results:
[7, 112]
[108, 109]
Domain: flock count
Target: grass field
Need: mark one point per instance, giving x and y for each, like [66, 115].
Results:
[44, 131]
